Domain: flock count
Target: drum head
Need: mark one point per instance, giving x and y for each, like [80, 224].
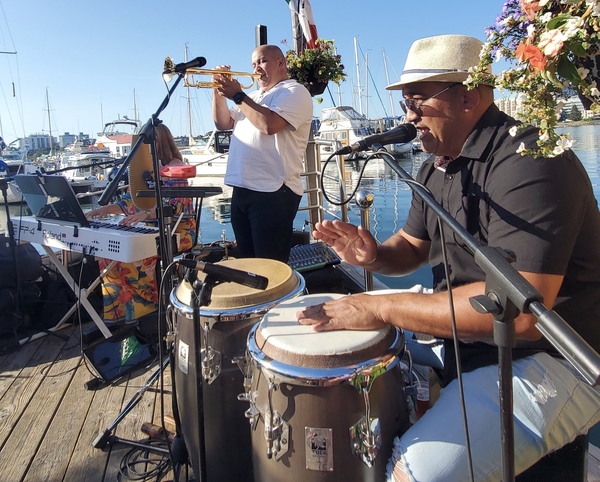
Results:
[282, 338]
[282, 281]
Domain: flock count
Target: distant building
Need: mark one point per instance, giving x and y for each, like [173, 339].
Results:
[510, 106]
[39, 141]
[67, 138]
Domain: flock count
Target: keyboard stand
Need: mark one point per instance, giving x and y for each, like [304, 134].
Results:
[80, 294]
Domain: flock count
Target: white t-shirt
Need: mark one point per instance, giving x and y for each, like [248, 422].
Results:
[262, 162]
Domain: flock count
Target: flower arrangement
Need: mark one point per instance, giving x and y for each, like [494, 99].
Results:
[317, 65]
[553, 46]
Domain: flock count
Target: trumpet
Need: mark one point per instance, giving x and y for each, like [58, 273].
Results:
[190, 81]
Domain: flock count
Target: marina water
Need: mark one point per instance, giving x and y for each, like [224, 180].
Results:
[391, 199]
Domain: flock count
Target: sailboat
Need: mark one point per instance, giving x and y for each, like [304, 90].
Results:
[14, 161]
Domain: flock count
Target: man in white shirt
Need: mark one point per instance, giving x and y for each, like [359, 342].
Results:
[270, 133]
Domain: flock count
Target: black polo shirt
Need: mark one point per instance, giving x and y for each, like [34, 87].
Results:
[543, 210]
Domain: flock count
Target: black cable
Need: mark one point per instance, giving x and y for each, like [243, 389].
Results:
[153, 465]
[360, 176]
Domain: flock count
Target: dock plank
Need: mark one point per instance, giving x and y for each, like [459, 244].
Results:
[54, 455]
[37, 403]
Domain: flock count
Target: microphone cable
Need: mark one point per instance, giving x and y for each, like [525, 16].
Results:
[360, 176]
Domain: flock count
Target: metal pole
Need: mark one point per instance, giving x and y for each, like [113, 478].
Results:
[364, 200]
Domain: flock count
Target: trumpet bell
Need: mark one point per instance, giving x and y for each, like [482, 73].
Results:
[190, 81]
[168, 70]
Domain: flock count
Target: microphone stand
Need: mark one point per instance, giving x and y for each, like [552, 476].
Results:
[147, 135]
[507, 294]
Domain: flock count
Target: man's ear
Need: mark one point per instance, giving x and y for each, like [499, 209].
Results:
[471, 98]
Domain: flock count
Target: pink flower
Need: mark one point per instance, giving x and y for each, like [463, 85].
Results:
[551, 42]
[530, 7]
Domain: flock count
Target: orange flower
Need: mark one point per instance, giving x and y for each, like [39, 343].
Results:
[530, 53]
[530, 7]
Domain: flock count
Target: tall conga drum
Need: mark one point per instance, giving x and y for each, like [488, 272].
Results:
[210, 366]
[325, 406]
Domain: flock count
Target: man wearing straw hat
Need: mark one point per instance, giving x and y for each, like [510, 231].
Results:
[543, 210]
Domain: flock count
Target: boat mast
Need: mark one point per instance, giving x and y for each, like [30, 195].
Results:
[135, 114]
[387, 79]
[49, 122]
[191, 140]
[367, 84]
[358, 89]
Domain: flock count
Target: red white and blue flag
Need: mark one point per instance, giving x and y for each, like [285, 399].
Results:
[303, 9]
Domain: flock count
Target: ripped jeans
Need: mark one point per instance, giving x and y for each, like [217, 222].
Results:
[551, 405]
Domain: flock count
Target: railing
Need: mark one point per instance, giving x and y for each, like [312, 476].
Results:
[312, 176]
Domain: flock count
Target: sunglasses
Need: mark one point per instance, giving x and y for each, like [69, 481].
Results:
[415, 105]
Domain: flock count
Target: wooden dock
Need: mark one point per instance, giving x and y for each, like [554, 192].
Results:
[49, 420]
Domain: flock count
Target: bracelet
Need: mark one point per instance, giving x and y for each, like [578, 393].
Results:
[148, 212]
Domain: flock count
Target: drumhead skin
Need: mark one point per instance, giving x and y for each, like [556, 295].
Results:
[282, 338]
[233, 301]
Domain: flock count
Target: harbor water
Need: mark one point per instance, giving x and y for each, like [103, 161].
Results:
[389, 209]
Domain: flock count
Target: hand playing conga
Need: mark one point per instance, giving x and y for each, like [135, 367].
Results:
[356, 312]
[353, 244]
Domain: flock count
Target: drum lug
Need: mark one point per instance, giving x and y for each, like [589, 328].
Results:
[277, 435]
[365, 439]
[210, 358]
[365, 435]
[276, 429]
[211, 364]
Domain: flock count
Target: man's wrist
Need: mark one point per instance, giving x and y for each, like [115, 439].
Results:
[239, 97]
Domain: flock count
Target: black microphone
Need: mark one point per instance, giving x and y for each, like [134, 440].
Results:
[183, 66]
[397, 135]
[222, 273]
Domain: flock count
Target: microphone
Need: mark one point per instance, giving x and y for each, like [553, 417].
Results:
[397, 135]
[225, 274]
[183, 66]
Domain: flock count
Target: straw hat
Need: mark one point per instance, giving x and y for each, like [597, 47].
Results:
[444, 58]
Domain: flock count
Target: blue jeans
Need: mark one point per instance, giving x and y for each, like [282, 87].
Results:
[551, 407]
[263, 222]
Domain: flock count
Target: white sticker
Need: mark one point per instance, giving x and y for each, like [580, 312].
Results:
[183, 357]
[319, 448]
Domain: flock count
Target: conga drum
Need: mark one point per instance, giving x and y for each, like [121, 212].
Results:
[325, 406]
[209, 365]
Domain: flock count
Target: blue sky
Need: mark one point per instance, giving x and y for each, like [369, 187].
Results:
[92, 56]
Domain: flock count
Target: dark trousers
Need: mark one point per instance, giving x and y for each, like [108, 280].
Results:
[263, 222]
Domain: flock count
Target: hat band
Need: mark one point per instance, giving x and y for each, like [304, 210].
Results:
[432, 71]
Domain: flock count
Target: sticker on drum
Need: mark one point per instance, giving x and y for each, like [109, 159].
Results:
[323, 405]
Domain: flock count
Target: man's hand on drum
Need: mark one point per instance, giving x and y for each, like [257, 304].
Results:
[356, 312]
[353, 244]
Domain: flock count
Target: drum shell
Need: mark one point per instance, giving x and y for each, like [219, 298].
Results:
[330, 403]
[215, 406]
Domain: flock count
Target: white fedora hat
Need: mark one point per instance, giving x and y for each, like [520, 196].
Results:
[443, 58]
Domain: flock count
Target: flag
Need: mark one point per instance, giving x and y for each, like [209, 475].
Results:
[303, 9]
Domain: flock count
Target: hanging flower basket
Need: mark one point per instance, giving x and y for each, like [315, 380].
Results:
[315, 67]
[316, 88]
